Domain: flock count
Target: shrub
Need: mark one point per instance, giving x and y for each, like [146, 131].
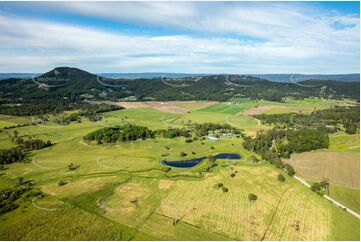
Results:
[224, 189]
[61, 183]
[72, 167]
[218, 185]
[253, 159]
[252, 197]
[281, 178]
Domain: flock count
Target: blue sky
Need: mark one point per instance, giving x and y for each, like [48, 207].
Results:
[189, 37]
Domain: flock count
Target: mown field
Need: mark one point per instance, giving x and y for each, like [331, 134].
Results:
[122, 191]
[339, 164]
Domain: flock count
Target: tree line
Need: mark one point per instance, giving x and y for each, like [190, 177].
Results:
[275, 144]
[329, 120]
[119, 133]
[131, 132]
[18, 153]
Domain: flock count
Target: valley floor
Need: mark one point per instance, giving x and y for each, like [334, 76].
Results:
[122, 191]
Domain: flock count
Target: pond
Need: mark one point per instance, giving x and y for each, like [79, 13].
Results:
[196, 161]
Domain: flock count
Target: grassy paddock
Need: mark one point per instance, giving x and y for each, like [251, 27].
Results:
[122, 191]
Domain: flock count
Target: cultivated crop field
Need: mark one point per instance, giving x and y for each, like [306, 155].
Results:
[122, 191]
[326, 164]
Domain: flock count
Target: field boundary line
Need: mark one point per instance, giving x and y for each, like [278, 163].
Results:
[273, 214]
[329, 198]
[196, 226]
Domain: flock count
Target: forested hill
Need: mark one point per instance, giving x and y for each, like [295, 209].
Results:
[75, 84]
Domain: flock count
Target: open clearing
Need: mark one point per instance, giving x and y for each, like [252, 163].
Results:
[339, 167]
[121, 191]
[260, 110]
[349, 196]
[179, 107]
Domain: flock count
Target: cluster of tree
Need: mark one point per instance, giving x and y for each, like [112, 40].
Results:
[275, 144]
[93, 111]
[204, 128]
[90, 111]
[11, 155]
[68, 119]
[329, 120]
[127, 132]
[174, 132]
[32, 144]
[321, 187]
[17, 154]
[9, 198]
[283, 142]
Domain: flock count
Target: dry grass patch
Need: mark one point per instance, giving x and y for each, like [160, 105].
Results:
[260, 110]
[165, 184]
[133, 202]
[178, 107]
[339, 167]
[78, 187]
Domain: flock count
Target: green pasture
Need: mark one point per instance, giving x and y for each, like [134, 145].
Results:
[123, 192]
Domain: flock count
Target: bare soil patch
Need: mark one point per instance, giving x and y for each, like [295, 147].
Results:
[179, 107]
[260, 110]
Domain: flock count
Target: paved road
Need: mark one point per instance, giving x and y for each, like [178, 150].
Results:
[329, 198]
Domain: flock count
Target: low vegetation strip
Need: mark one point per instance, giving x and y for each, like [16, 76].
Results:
[330, 199]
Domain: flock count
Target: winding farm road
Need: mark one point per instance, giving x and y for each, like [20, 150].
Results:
[329, 198]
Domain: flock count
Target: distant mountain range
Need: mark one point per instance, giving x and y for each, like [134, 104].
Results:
[67, 82]
[288, 78]
[302, 77]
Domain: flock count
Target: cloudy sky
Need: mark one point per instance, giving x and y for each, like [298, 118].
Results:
[190, 37]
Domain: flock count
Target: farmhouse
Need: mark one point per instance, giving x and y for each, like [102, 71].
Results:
[211, 137]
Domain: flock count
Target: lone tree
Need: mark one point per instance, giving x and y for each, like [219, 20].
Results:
[21, 180]
[315, 187]
[281, 178]
[252, 197]
[289, 169]
[182, 154]
[325, 184]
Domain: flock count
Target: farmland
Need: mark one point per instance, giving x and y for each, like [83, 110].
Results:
[121, 191]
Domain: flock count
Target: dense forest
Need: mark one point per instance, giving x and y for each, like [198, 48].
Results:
[204, 128]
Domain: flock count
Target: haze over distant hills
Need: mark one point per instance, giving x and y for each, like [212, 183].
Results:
[77, 83]
[271, 77]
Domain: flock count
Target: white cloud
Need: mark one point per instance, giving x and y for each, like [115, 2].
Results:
[292, 39]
